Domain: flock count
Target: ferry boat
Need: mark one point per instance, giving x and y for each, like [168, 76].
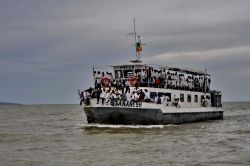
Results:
[142, 94]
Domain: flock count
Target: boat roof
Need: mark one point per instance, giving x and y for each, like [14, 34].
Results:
[128, 64]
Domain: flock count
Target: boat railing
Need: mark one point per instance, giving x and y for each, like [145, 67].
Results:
[167, 86]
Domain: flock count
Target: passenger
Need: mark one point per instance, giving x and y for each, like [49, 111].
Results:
[176, 101]
[183, 81]
[201, 82]
[117, 95]
[87, 97]
[123, 86]
[166, 83]
[208, 102]
[133, 97]
[107, 97]
[90, 91]
[157, 82]
[162, 98]
[98, 79]
[113, 98]
[205, 102]
[128, 96]
[157, 100]
[102, 74]
[97, 95]
[147, 96]
[112, 94]
[141, 95]
[103, 95]
[127, 85]
[177, 77]
[81, 96]
[174, 80]
[119, 74]
[137, 96]
[165, 101]
[143, 75]
[149, 75]
[123, 97]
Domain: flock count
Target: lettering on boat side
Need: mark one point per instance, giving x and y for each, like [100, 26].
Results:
[120, 103]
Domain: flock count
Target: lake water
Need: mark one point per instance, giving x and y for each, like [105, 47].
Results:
[59, 135]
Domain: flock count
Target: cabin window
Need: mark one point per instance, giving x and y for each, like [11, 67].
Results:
[160, 94]
[196, 98]
[153, 95]
[189, 98]
[182, 97]
[127, 67]
[128, 73]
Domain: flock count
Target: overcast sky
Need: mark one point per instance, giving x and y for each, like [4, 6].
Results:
[47, 47]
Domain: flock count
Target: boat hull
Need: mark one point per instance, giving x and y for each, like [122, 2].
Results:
[146, 116]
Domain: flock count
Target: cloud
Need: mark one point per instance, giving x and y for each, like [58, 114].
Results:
[60, 39]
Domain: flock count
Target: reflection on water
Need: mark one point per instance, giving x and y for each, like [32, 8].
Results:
[59, 135]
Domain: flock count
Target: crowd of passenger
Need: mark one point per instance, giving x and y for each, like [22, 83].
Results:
[107, 96]
[154, 78]
[109, 88]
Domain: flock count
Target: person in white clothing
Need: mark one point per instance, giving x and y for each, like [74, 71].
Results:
[103, 95]
[128, 96]
[133, 97]
[164, 100]
[86, 95]
[107, 97]
[147, 96]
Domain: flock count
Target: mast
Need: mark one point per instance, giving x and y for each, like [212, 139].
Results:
[134, 34]
[138, 45]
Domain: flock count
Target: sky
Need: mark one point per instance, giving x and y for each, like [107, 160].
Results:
[48, 47]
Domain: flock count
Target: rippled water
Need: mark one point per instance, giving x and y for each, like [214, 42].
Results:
[59, 135]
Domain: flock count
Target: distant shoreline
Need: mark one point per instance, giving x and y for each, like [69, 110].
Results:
[5, 103]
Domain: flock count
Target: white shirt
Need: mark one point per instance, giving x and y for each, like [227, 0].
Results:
[128, 96]
[147, 95]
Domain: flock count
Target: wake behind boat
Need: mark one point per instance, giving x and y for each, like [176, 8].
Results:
[141, 94]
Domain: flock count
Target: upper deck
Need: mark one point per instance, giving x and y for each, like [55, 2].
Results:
[158, 76]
